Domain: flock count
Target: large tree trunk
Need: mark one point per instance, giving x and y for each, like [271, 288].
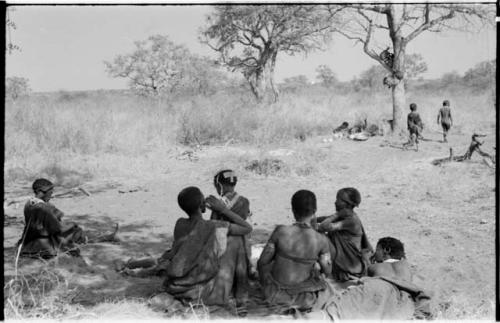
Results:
[398, 76]
[261, 79]
[398, 105]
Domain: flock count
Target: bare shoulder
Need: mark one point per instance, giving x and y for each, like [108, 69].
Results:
[324, 242]
[380, 269]
[180, 224]
[181, 221]
[279, 230]
[244, 200]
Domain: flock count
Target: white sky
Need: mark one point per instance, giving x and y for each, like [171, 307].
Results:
[63, 47]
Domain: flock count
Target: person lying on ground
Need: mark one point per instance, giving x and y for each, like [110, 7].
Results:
[343, 128]
[351, 249]
[388, 292]
[224, 183]
[389, 260]
[444, 117]
[288, 266]
[45, 234]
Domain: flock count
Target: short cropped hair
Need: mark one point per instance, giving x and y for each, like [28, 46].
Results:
[350, 196]
[226, 176]
[303, 204]
[413, 106]
[190, 199]
[397, 248]
[42, 184]
[446, 103]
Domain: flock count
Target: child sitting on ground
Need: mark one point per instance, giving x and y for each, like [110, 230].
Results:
[225, 183]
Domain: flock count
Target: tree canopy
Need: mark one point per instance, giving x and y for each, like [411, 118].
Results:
[158, 66]
[393, 26]
[248, 38]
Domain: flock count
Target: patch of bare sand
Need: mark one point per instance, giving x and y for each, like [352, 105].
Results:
[444, 215]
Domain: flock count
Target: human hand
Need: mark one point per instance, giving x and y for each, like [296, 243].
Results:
[215, 204]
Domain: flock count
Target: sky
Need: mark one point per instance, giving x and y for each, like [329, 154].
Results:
[64, 47]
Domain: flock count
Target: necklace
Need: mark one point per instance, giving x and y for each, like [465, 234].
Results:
[302, 225]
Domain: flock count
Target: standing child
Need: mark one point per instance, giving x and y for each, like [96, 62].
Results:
[444, 116]
[351, 250]
[415, 125]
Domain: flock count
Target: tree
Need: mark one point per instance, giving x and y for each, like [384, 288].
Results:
[326, 76]
[295, 82]
[375, 77]
[481, 77]
[249, 38]
[155, 66]
[402, 23]
[16, 87]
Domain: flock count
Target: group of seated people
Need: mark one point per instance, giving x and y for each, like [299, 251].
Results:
[315, 265]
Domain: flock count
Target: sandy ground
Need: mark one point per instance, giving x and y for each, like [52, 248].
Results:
[445, 215]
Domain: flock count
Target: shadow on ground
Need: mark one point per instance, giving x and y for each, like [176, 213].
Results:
[92, 278]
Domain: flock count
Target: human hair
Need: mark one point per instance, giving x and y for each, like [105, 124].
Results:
[225, 177]
[396, 247]
[350, 196]
[190, 199]
[303, 204]
[42, 185]
[446, 103]
[413, 106]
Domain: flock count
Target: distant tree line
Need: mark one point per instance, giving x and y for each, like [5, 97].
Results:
[479, 78]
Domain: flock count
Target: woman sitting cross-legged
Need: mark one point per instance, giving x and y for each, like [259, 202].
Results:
[288, 268]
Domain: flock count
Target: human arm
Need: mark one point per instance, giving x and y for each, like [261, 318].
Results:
[237, 225]
[326, 225]
[325, 258]
[439, 117]
[451, 120]
[419, 121]
[321, 219]
[267, 255]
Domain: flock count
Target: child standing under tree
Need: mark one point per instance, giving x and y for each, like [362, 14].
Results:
[415, 126]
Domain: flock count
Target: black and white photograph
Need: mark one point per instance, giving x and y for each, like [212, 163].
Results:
[250, 161]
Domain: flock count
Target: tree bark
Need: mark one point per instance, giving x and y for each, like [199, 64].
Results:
[398, 104]
[261, 80]
[398, 70]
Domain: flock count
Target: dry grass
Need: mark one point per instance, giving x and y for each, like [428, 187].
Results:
[73, 137]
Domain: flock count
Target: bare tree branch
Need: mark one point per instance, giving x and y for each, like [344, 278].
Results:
[428, 23]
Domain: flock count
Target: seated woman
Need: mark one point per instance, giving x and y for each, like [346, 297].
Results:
[351, 249]
[201, 264]
[45, 234]
[287, 266]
